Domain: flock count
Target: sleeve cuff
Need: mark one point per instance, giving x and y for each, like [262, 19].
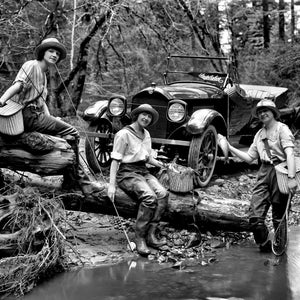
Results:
[116, 156]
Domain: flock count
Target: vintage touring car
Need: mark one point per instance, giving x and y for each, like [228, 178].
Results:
[197, 100]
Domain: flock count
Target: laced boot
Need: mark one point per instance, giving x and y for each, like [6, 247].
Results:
[152, 239]
[70, 176]
[143, 219]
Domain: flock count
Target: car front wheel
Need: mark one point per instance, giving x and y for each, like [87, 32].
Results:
[203, 155]
[98, 149]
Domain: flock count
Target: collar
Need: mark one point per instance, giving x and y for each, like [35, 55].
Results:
[134, 132]
[263, 132]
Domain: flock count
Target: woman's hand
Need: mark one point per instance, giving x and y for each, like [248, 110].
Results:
[111, 192]
[292, 184]
[224, 145]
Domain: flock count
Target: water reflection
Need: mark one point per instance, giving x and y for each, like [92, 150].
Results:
[241, 273]
[293, 262]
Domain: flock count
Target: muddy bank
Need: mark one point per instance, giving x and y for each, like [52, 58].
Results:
[99, 239]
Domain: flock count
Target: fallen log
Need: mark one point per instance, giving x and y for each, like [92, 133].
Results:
[24, 154]
[183, 210]
[37, 153]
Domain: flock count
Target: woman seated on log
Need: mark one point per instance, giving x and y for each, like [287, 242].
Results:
[131, 151]
[30, 85]
[272, 144]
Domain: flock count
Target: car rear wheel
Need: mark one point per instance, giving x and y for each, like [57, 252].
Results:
[98, 149]
[203, 155]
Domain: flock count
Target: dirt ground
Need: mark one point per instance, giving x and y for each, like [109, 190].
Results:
[100, 239]
[96, 239]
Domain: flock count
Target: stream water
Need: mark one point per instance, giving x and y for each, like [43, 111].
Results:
[241, 272]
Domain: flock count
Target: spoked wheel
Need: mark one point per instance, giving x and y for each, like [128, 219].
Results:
[203, 155]
[98, 149]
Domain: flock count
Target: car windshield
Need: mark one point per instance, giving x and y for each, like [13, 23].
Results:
[212, 70]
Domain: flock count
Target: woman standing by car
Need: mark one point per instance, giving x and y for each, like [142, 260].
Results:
[272, 144]
[132, 150]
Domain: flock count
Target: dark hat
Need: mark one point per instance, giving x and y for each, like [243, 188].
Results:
[268, 104]
[50, 43]
[145, 108]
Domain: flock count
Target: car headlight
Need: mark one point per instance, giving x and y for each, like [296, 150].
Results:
[177, 112]
[116, 107]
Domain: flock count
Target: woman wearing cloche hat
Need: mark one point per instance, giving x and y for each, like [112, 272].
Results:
[30, 89]
[272, 144]
[131, 151]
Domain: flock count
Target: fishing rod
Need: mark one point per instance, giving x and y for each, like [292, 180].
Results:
[131, 245]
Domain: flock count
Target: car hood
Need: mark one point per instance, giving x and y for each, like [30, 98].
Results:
[186, 91]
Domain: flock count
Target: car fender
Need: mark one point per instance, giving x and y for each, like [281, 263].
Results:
[202, 118]
[96, 110]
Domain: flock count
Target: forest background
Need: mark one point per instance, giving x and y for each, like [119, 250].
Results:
[121, 46]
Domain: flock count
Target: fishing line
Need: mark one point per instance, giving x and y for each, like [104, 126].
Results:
[73, 106]
[81, 126]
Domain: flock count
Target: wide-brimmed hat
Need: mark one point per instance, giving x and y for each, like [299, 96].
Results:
[50, 43]
[145, 108]
[268, 104]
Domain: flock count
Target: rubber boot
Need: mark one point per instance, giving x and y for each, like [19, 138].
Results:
[143, 219]
[152, 239]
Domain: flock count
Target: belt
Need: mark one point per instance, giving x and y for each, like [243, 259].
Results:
[269, 163]
[136, 163]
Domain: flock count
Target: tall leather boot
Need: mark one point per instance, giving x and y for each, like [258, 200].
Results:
[152, 239]
[143, 219]
[88, 186]
[75, 178]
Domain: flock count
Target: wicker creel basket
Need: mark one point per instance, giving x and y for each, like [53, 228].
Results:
[11, 118]
[282, 175]
[181, 178]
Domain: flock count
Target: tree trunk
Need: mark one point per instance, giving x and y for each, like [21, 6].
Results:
[266, 23]
[183, 209]
[281, 21]
[81, 65]
[292, 21]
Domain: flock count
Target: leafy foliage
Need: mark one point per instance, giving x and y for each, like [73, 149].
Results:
[120, 46]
